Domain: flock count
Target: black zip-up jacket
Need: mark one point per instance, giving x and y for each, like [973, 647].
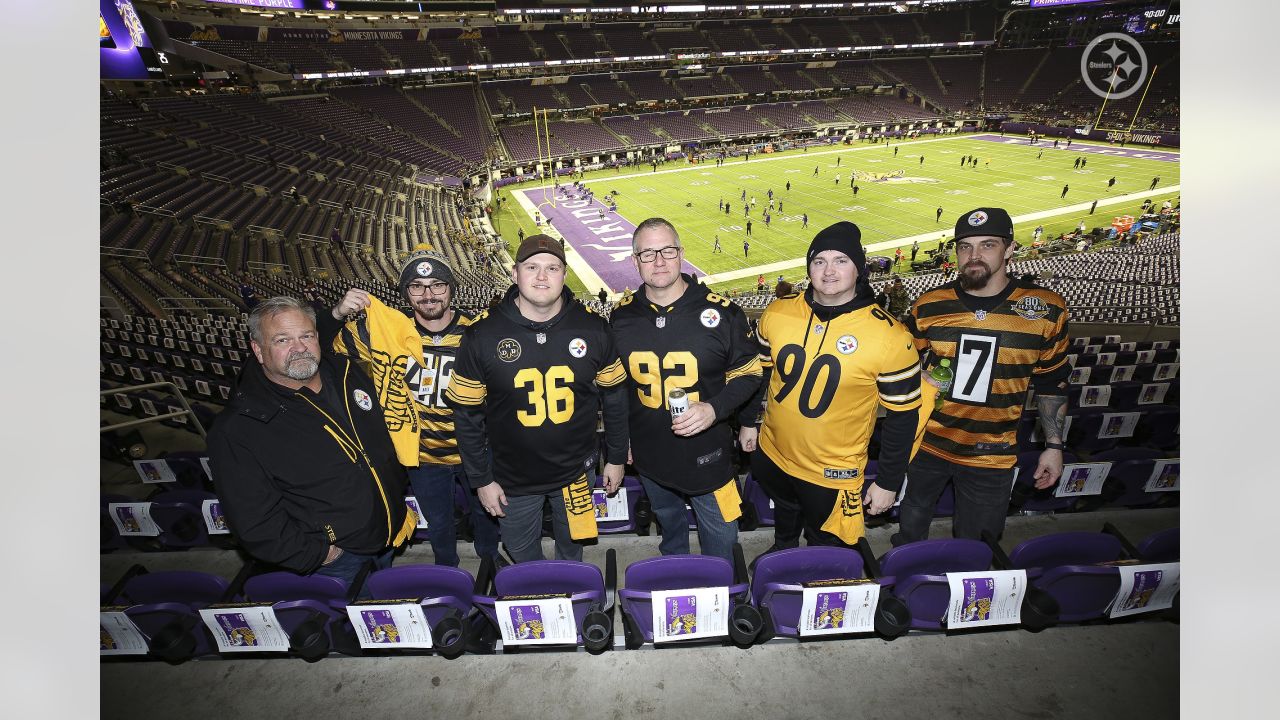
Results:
[295, 475]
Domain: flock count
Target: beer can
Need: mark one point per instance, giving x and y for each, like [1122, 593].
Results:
[678, 401]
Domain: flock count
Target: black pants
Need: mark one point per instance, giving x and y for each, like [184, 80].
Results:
[798, 506]
[982, 498]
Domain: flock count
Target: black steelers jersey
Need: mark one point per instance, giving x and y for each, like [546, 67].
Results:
[828, 379]
[529, 392]
[704, 345]
[997, 346]
[426, 377]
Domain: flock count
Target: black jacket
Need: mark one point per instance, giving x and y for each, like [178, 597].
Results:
[295, 475]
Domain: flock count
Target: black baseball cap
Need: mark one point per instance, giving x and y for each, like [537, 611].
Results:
[985, 221]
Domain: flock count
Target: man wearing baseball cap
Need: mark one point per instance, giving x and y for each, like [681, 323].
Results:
[412, 361]
[530, 377]
[835, 358]
[1001, 335]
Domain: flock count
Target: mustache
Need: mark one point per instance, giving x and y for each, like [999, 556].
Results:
[294, 357]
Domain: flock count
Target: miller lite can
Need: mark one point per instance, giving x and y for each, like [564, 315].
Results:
[678, 401]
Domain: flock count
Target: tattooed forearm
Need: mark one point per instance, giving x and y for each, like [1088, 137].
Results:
[1053, 416]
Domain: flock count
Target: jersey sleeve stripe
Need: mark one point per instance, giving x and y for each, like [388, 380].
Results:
[897, 375]
[609, 376]
[901, 399]
[751, 367]
[467, 392]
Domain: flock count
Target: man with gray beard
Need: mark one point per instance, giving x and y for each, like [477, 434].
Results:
[303, 465]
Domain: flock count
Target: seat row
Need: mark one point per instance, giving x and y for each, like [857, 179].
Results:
[797, 593]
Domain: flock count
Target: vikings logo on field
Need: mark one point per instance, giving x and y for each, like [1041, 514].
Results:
[1031, 308]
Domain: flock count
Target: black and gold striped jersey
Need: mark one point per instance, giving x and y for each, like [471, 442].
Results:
[426, 378]
[828, 379]
[997, 345]
[702, 344]
[529, 392]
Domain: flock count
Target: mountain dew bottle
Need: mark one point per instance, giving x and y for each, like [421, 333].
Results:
[941, 377]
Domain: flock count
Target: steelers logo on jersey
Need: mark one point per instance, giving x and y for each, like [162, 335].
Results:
[846, 344]
[710, 317]
[977, 217]
[424, 268]
[1031, 308]
[362, 399]
[508, 350]
[577, 347]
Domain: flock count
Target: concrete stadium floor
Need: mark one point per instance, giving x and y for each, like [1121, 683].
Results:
[1104, 671]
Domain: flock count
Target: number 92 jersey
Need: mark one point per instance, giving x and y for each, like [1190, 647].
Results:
[540, 387]
[827, 382]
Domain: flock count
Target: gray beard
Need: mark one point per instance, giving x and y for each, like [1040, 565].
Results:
[302, 367]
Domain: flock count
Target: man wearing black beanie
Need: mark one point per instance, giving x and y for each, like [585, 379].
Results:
[835, 357]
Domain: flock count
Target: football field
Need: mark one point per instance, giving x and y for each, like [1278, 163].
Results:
[899, 190]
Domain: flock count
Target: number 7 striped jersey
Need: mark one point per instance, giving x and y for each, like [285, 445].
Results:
[996, 345]
[828, 379]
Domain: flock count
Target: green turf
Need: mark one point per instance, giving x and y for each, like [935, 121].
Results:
[886, 212]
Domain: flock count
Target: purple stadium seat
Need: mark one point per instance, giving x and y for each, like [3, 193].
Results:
[447, 596]
[915, 574]
[679, 572]
[1160, 547]
[309, 608]
[591, 594]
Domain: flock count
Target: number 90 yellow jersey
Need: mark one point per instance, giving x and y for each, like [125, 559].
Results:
[828, 379]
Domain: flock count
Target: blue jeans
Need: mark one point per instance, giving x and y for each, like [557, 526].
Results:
[433, 485]
[715, 536]
[522, 528]
[348, 565]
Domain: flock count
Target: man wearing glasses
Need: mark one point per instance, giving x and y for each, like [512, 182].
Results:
[676, 334]
[414, 358]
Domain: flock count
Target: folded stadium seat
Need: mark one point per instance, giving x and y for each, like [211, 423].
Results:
[179, 513]
[1125, 484]
[165, 606]
[1158, 427]
[1069, 567]
[1026, 498]
[1160, 547]
[1109, 347]
[1167, 355]
[777, 589]
[1083, 438]
[1145, 372]
[1124, 396]
[754, 495]
[686, 572]
[109, 535]
[916, 574]
[1085, 360]
[607, 526]
[592, 595]
[311, 609]
[447, 596]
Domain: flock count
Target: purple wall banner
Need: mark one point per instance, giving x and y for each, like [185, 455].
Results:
[1114, 151]
[601, 237]
[270, 4]
[1141, 137]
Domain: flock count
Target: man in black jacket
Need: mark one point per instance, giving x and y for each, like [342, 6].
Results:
[305, 469]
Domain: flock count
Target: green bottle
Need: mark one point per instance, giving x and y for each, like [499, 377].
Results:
[941, 376]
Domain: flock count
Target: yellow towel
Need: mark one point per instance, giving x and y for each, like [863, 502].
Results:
[406, 529]
[846, 520]
[927, 394]
[396, 339]
[580, 508]
[729, 501]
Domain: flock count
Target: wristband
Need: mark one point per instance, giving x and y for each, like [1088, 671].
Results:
[1054, 446]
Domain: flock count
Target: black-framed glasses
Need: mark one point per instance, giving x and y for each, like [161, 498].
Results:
[670, 252]
[437, 289]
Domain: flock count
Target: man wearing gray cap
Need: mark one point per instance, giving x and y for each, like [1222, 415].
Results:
[428, 343]
[531, 375]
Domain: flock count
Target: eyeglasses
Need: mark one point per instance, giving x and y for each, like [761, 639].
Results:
[437, 289]
[670, 252]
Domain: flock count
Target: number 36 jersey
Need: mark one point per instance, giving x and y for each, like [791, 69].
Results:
[538, 387]
[827, 382]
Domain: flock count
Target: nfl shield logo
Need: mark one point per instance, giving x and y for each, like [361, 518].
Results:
[661, 321]
[981, 314]
[541, 338]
